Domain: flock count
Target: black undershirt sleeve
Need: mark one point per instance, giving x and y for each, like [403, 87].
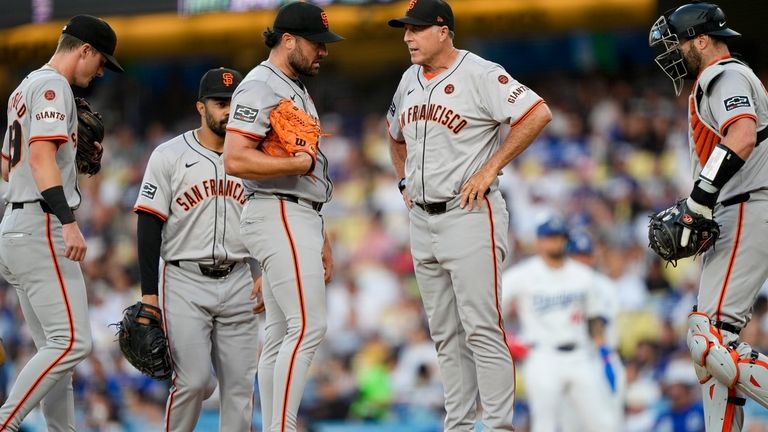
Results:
[149, 231]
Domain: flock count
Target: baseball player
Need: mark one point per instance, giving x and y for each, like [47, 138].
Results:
[189, 214]
[728, 115]
[555, 298]
[41, 243]
[603, 330]
[281, 224]
[444, 124]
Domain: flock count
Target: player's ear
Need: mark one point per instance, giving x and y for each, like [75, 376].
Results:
[200, 105]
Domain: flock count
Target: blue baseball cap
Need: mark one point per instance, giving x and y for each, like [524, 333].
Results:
[579, 243]
[553, 226]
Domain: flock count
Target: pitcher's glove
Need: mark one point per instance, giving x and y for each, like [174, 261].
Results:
[293, 131]
[678, 232]
[90, 134]
[144, 344]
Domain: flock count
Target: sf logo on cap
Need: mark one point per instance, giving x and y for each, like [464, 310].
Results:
[324, 17]
[227, 78]
[411, 4]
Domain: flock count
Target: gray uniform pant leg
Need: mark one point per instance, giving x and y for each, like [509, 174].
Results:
[53, 298]
[236, 350]
[210, 328]
[287, 239]
[735, 269]
[274, 333]
[457, 257]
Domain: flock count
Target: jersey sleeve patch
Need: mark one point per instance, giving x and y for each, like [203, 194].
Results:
[245, 113]
[148, 190]
[517, 93]
[734, 102]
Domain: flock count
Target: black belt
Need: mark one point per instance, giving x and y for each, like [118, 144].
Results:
[212, 271]
[566, 347]
[433, 208]
[317, 206]
[43, 205]
[736, 199]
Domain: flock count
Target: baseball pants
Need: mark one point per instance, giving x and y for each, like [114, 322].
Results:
[210, 325]
[287, 239]
[457, 257]
[53, 300]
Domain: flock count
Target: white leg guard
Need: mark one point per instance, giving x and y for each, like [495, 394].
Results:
[721, 414]
[742, 369]
[753, 374]
[708, 350]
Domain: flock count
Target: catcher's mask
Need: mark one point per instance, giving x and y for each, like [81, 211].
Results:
[685, 22]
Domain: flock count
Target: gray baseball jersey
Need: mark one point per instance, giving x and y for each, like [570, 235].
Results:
[286, 236]
[50, 287]
[554, 305]
[186, 186]
[208, 318]
[724, 93]
[450, 124]
[259, 93]
[42, 108]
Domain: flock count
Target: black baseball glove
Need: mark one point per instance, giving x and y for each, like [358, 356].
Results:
[143, 342]
[90, 134]
[678, 232]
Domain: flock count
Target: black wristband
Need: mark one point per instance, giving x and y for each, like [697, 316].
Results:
[401, 185]
[57, 201]
[703, 197]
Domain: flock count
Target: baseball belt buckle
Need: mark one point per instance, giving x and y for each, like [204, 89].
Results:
[216, 271]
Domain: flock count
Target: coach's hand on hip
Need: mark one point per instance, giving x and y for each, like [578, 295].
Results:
[474, 189]
[74, 243]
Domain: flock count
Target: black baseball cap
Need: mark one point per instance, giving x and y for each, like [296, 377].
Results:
[97, 33]
[219, 83]
[306, 20]
[426, 12]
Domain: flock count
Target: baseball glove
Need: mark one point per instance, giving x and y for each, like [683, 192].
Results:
[143, 342]
[678, 232]
[293, 131]
[90, 134]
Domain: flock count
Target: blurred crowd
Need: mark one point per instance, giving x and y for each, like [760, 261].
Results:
[615, 152]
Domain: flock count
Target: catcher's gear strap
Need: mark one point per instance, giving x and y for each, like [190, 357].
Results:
[722, 164]
[149, 233]
[57, 201]
[735, 366]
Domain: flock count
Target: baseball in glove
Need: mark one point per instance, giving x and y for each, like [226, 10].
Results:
[143, 342]
[678, 232]
[293, 131]
[90, 134]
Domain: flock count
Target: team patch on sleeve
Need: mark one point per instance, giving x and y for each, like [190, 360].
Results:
[148, 190]
[734, 102]
[245, 113]
[517, 93]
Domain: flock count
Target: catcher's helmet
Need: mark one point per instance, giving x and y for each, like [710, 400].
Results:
[685, 22]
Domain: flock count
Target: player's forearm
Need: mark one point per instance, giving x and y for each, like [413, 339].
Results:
[398, 152]
[243, 159]
[520, 137]
[42, 162]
